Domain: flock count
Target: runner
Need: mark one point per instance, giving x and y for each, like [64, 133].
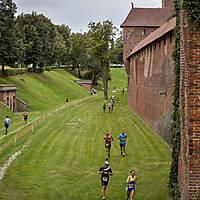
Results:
[122, 137]
[25, 116]
[105, 172]
[107, 139]
[104, 106]
[131, 182]
[110, 107]
[67, 99]
[91, 92]
[7, 121]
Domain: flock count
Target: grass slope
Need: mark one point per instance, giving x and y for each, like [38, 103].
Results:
[61, 161]
[42, 92]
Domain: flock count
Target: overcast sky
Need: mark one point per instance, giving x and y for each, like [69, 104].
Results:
[78, 13]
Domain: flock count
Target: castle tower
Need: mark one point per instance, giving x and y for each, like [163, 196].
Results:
[167, 3]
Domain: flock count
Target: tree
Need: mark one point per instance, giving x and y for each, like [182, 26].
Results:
[101, 38]
[7, 33]
[39, 38]
[64, 32]
[78, 52]
[117, 50]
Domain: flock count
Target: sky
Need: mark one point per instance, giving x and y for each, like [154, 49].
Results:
[78, 13]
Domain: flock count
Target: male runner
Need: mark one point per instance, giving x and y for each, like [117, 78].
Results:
[67, 99]
[105, 172]
[107, 139]
[25, 116]
[7, 121]
[131, 182]
[104, 106]
[122, 137]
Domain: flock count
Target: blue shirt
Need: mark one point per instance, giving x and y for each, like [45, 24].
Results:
[122, 136]
[7, 120]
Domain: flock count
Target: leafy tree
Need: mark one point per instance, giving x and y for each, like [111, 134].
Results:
[39, 35]
[64, 32]
[101, 38]
[8, 45]
[59, 48]
[78, 52]
[117, 50]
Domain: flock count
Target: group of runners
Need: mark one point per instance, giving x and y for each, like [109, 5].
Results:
[110, 104]
[106, 170]
[92, 91]
[7, 120]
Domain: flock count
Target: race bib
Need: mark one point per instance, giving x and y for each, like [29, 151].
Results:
[130, 185]
[107, 144]
[105, 179]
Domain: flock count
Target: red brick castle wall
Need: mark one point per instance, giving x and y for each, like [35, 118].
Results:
[189, 162]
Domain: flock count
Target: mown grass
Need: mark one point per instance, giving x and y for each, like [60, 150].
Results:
[42, 93]
[61, 161]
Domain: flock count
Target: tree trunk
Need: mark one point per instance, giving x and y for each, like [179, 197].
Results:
[79, 71]
[105, 81]
[3, 69]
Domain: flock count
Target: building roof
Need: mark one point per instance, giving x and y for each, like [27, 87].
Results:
[147, 17]
[167, 27]
[6, 88]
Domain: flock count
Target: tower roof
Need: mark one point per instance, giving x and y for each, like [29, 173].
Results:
[147, 17]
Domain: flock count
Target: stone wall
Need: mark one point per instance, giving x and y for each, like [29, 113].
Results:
[151, 84]
[189, 160]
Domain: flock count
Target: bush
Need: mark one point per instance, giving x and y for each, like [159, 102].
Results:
[14, 71]
[48, 68]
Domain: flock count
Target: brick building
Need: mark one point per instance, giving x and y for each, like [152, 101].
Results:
[151, 78]
[139, 23]
[149, 69]
[8, 96]
[148, 46]
[189, 159]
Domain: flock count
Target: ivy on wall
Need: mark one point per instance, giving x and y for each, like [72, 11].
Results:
[192, 8]
[175, 127]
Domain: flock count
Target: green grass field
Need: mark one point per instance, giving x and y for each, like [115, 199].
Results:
[62, 157]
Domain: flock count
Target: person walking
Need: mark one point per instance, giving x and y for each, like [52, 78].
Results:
[105, 172]
[107, 139]
[104, 106]
[131, 182]
[25, 114]
[67, 99]
[122, 137]
[7, 122]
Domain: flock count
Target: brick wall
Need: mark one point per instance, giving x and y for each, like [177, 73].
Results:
[132, 36]
[189, 160]
[168, 3]
[151, 84]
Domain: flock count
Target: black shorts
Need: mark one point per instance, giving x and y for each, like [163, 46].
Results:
[25, 117]
[108, 145]
[122, 145]
[7, 125]
[104, 183]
